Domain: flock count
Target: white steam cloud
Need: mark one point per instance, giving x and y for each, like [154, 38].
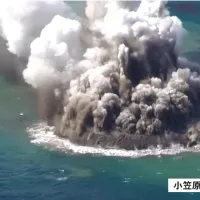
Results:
[22, 21]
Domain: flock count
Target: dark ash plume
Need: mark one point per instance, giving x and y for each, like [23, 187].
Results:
[50, 103]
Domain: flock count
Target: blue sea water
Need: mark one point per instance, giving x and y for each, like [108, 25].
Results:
[32, 172]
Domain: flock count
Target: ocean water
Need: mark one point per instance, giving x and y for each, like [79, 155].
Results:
[30, 171]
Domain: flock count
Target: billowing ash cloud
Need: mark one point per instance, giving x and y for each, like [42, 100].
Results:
[113, 78]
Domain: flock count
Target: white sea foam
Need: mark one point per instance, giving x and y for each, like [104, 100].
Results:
[42, 134]
[62, 178]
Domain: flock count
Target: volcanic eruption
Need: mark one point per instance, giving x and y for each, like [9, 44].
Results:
[113, 78]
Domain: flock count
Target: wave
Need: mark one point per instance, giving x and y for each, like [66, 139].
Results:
[43, 135]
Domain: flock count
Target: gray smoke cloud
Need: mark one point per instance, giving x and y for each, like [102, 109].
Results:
[114, 78]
